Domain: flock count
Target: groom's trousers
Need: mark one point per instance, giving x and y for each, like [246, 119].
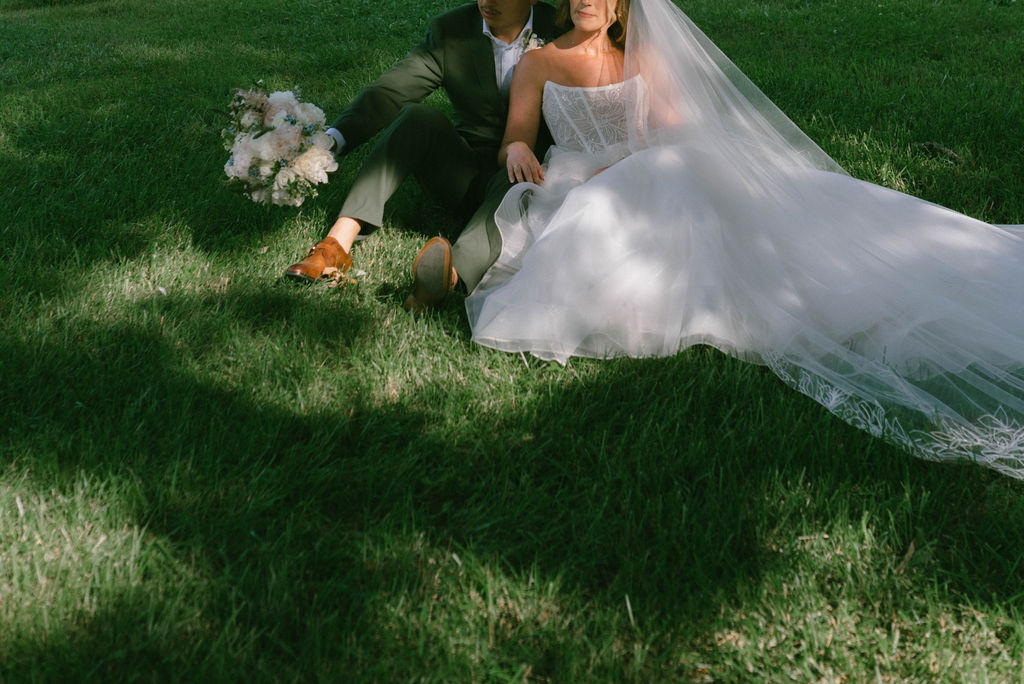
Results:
[422, 142]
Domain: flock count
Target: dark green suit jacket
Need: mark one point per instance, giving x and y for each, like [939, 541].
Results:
[454, 55]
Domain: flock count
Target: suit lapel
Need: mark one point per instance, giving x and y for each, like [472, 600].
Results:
[483, 59]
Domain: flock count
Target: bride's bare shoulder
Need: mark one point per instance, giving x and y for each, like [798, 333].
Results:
[536, 65]
[539, 57]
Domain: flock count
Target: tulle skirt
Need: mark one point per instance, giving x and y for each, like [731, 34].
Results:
[898, 315]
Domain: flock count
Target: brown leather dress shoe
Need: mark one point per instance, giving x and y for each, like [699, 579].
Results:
[432, 274]
[324, 255]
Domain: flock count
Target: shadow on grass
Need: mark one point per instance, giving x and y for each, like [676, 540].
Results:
[646, 478]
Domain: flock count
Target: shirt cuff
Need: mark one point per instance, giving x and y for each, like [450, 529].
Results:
[339, 140]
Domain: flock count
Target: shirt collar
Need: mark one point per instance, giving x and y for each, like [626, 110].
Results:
[527, 31]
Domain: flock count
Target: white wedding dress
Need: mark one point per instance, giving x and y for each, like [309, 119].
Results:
[900, 316]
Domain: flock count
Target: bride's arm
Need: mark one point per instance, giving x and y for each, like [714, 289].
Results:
[516, 152]
[663, 88]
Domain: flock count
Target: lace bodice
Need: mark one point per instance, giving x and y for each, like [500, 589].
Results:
[593, 119]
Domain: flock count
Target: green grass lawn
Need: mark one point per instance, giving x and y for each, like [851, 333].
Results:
[207, 473]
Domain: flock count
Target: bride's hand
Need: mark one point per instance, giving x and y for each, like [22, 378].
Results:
[522, 164]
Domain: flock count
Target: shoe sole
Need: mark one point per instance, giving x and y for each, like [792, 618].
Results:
[432, 270]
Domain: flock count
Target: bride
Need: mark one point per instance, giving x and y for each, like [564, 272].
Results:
[679, 206]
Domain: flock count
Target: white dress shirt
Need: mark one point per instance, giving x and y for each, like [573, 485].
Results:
[507, 55]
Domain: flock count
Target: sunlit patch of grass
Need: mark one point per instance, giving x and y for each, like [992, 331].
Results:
[843, 592]
[77, 568]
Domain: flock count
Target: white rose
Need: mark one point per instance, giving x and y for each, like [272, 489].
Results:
[285, 176]
[280, 193]
[266, 170]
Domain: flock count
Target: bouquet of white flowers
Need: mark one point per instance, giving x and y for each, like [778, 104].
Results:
[279, 150]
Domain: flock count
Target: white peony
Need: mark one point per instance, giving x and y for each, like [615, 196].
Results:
[309, 114]
[314, 164]
[241, 158]
[281, 101]
[281, 143]
[281, 119]
[322, 140]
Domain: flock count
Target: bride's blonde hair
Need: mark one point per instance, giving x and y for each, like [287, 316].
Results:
[617, 31]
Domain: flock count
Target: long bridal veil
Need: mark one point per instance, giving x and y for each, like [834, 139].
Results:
[901, 317]
[695, 86]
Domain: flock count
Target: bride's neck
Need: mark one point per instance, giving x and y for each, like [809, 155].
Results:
[593, 42]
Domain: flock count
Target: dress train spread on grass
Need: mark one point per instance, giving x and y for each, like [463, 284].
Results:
[717, 221]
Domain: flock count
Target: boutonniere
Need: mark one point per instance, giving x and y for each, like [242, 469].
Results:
[531, 41]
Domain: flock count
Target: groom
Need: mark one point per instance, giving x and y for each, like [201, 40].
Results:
[469, 51]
